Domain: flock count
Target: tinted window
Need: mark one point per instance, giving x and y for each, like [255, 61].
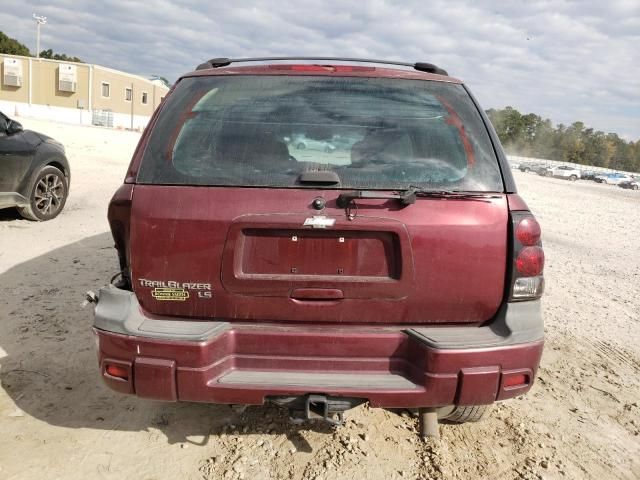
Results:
[373, 132]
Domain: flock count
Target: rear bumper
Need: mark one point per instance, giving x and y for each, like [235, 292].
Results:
[221, 362]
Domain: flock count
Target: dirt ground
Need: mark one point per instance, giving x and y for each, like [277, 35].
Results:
[57, 420]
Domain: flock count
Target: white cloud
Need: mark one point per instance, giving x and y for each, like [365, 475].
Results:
[566, 60]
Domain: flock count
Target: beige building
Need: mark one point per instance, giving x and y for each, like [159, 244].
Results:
[76, 92]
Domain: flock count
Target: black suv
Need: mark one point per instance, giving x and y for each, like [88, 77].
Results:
[34, 172]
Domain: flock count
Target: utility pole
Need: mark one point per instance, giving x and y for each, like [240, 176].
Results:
[132, 97]
[40, 20]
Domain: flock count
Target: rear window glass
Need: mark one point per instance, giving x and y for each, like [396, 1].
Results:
[374, 133]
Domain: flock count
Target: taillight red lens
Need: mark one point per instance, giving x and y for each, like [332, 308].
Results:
[530, 261]
[117, 371]
[517, 380]
[528, 231]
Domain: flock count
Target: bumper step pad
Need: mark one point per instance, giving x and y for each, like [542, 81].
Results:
[314, 380]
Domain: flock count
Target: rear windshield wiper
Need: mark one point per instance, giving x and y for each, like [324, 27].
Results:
[408, 197]
[345, 198]
[418, 192]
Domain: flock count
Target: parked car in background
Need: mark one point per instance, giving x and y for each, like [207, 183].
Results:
[409, 277]
[563, 171]
[588, 175]
[543, 170]
[600, 177]
[303, 142]
[344, 142]
[34, 172]
[530, 166]
[633, 184]
[617, 178]
[613, 178]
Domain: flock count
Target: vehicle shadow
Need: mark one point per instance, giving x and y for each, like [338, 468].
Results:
[9, 214]
[48, 363]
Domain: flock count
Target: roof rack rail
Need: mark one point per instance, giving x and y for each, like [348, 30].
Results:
[223, 62]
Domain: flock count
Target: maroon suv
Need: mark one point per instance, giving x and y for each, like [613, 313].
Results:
[392, 263]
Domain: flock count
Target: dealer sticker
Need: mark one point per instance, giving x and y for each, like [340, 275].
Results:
[170, 294]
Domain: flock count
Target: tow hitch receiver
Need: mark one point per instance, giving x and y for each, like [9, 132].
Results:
[317, 407]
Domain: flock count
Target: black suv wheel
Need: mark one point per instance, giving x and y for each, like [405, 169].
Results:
[48, 195]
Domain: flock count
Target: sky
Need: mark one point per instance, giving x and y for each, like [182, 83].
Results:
[564, 60]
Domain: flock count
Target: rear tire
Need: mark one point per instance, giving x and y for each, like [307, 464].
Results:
[573, 178]
[47, 196]
[462, 414]
[634, 187]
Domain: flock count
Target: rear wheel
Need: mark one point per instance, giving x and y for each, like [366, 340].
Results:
[462, 414]
[48, 195]
[634, 187]
[573, 178]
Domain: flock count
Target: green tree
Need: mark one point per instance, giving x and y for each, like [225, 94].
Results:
[595, 148]
[58, 56]
[507, 123]
[12, 47]
[530, 135]
[544, 140]
[572, 145]
[162, 79]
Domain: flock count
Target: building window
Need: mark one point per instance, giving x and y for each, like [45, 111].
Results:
[106, 90]
[144, 97]
[128, 94]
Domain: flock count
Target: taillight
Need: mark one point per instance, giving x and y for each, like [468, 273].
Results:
[117, 371]
[528, 231]
[528, 258]
[530, 261]
[516, 380]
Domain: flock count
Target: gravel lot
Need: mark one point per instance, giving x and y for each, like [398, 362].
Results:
[57, 420]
